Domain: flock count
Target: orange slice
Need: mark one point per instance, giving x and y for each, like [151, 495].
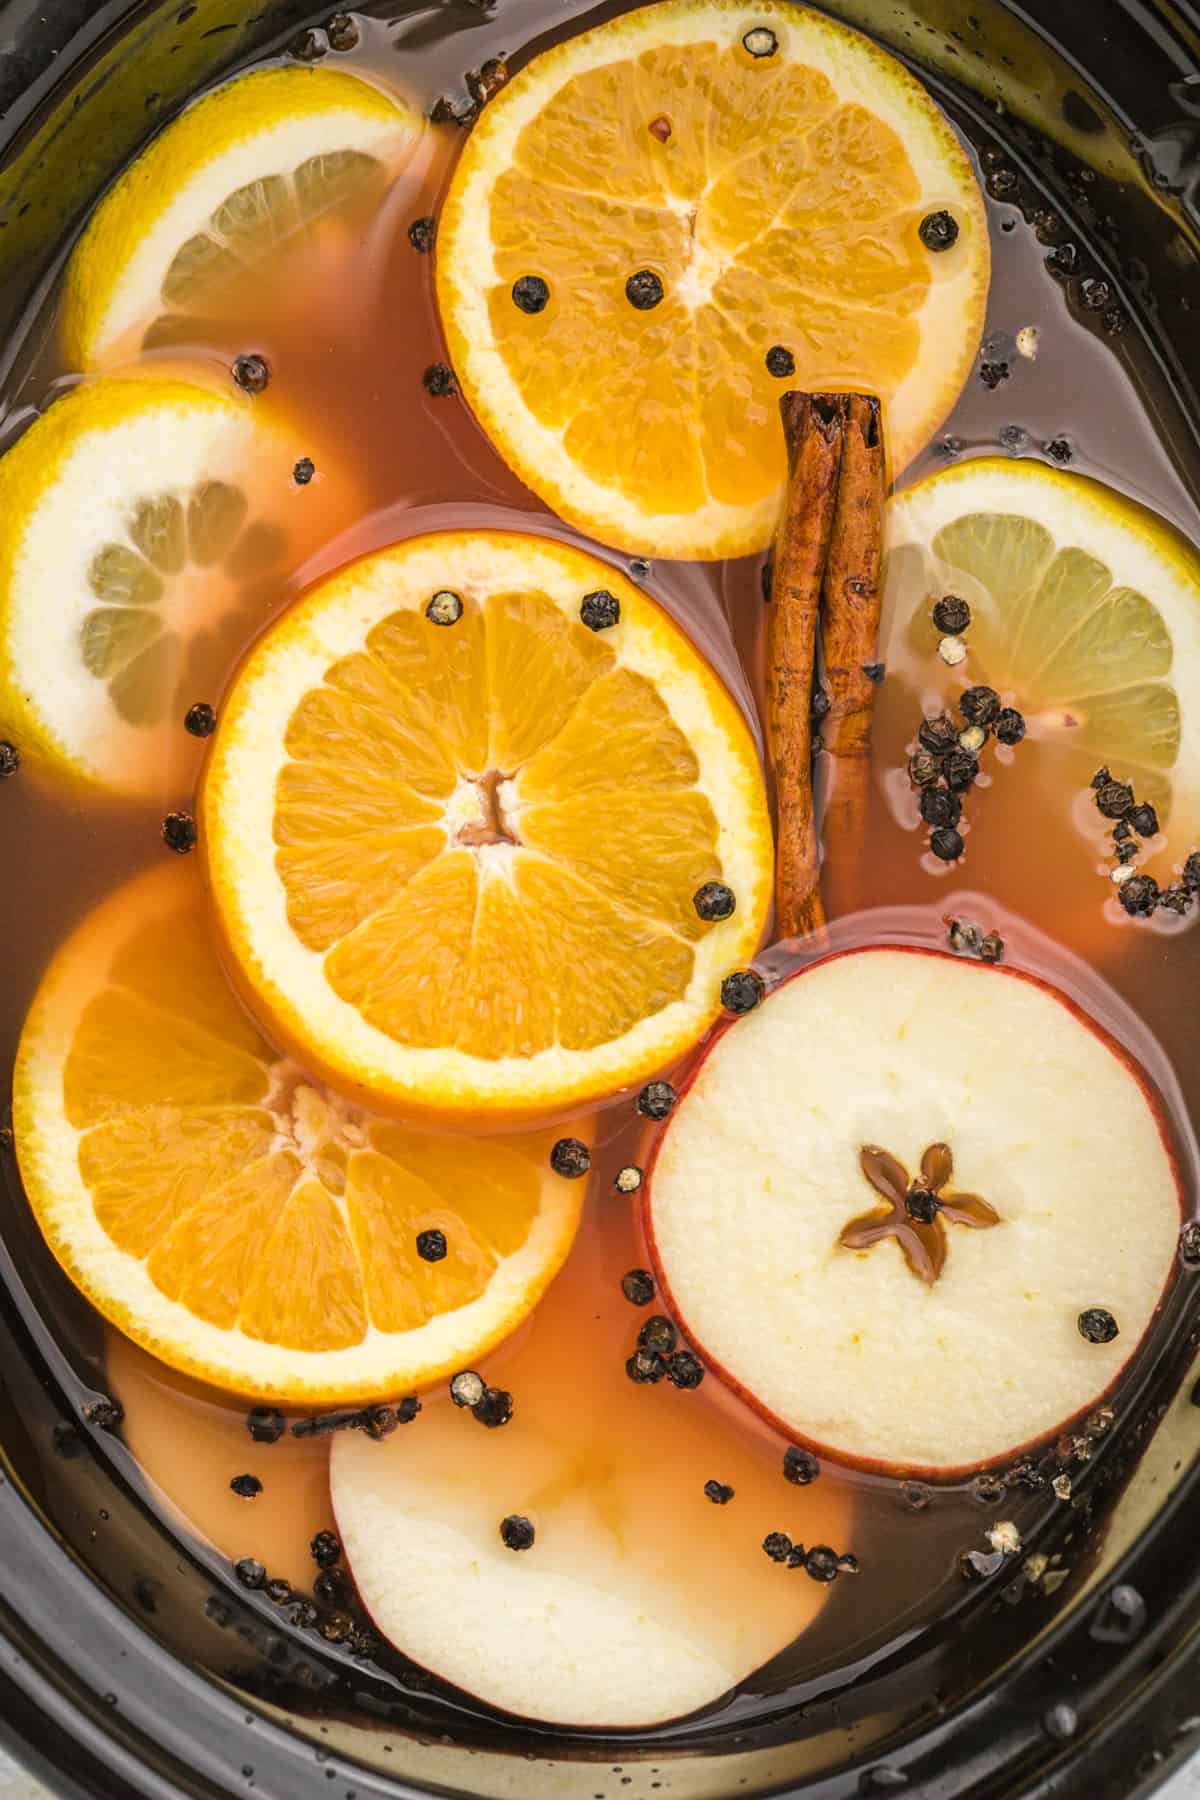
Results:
[767, 168]
[232, 1217]
[456, 864]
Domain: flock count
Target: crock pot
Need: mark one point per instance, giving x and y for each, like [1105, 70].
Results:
[130, 1662]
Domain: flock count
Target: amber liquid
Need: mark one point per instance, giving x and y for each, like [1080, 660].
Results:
[347, 323]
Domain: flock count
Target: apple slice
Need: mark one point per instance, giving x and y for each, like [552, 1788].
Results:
[905, 1204]
[641, 1598]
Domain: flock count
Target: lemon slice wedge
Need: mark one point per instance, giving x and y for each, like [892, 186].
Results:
[1085, 614]
[248, 165]
[147, 524]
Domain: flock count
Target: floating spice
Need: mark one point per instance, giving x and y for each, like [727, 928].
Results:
[200, 720]
[326, 1549]
[778, 1546]
[800, 1467]
[714, 902]
[439, 381]
[303, 471]
[104, 1413]
[342, 32]
[531, 293]
[656, 1100]
[600, 610]
[246, 1487]
[742, 991]
[250, 1572]
[644, 290]
[952, 651]
[485, 82]
[938, 231]
[431, 1245]
[628, 1180]
[495, 1409]
[646, 1367]
[251, 373]
[718, 1492]
[1097, 1325]
[685, 1370]
[951, 615]
[570, 1157]
[422, 234]
[517, 1532]
[179, 832]
[780, 361]
[658, 1334]
[265, 1425]
[467, 1388]
[637, 1285]
[916, 1211]
[821, 1563]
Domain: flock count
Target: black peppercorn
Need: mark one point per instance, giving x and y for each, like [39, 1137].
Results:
[336, 1628]
[467, 1388]
[644, 290]
[1191, 872]
[938, 736]
[331, 1588]
[303, 1615]
[303, 471]
[991, 950]
[645, 1366]
[777, 1545]
[1143, 819]
[637, 1285]
[988, 1490]
[570, 1157]
[1138, 895]
[938, 231]
[1122, 830]
[800, 1467]
[422, 234]
[960, 769]
[200, 720]
[951, 615]
[484, 83]
[656, 1100]
[179, 832]
[718, 1493]
[946, 844]
[821, 1563]
[1058, 449]
[326, 1549]
[246, 1487]
[922, 1205]
[278, 1592]
[431, 1245]
[531, 293]
[1175, 899]
[780, 362]
[342, 32]
[1127, 851]
[445, 607]
[439, 381]
[251, 374]
[714, 901]
[1114, 799]
[600, 610]
[993, 373]
[361, 1644]
[685, 1370]
[979, 705]
[249, 1572]
[1009, 725]
[742, 991]
[658, 1334]
[923, 768]
[265, 1424]
[495, 1409]
[517, 1532]
[1097, 1325]
[105, 1414]
[940, 807]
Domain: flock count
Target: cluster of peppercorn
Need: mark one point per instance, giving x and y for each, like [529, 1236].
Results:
[656, 1355]
[946, 762]
[331, 1589]
[1140, 894]
[820, 1563]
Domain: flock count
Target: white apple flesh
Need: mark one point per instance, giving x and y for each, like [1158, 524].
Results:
[640, 1600]
[1047, 1121]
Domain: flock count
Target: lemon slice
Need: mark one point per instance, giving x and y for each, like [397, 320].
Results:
[218, 189]
[1085, 615]
[460, 843]
[229, 1215]
[143, 522]
[769, 170]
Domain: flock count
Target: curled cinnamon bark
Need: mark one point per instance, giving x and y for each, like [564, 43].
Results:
[827, 580]
[813, 426]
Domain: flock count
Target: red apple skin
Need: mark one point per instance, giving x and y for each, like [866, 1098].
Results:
[878, 1465]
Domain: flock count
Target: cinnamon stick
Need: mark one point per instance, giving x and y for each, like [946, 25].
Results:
[850, 604]
[813, 426]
